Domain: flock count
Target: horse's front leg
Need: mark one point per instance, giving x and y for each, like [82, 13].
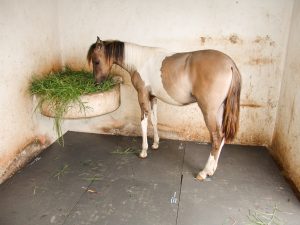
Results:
[144, 101]
[143, 96]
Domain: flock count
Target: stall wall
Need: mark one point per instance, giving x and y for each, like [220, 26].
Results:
[286, 140]
[254, 33]
[29, 45]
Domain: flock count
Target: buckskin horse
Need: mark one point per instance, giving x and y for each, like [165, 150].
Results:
[208, 77]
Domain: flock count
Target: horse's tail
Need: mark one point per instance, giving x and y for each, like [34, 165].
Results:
[232, 106]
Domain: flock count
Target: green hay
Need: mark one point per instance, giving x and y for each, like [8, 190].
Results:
[258, 217]
[92, 179]
[126, 151]
[61, 172]
[62, 88]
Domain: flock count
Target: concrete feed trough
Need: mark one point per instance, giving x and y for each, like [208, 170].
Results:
[94, 105]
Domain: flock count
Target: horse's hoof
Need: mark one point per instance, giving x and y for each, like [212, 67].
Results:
[143, 155]
[155, 146]
[210, 173]
[201, 177]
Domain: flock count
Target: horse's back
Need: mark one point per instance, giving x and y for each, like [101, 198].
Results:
[203, 75]
[210, 64]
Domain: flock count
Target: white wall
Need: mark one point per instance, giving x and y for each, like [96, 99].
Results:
[29, 44]
[286, 140]
[254, 33]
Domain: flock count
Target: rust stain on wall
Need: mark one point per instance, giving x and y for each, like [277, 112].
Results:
[203, 39]
[184, 132]
[234, 39]
[264, 40]
[281, 151]
[23, 155]
[261, 61]
[114, 129]
[120, 127]
[251, 137]
[165, 131]
[251, 105]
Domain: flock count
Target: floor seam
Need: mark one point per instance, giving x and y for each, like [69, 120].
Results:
[76, 203]
[181, 178]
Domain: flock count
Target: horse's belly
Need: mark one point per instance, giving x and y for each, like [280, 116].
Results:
[166, 98]
[176, 94]
[158, 90]
[151, 75]
[175, 76]
[170, 86]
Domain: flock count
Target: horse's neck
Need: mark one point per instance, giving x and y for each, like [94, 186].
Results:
[136, 56]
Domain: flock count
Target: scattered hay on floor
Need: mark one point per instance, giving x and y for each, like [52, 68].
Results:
[90, 190]
[92, 179]
[61, 171]
[126, 151]
[258, 217]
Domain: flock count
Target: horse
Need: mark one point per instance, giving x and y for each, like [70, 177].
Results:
[208, 77]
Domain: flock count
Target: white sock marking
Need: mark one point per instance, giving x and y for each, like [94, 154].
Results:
[212, 163]
[144, 124]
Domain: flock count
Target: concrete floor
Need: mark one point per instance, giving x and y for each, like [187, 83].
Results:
[86, 183]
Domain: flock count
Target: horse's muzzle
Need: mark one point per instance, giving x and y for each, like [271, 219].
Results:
[99, 80]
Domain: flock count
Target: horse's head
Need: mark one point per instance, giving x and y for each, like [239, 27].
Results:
[103, 54]
[101, 65]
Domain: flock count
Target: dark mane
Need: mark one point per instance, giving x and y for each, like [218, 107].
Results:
[90, 52]
[114, 50]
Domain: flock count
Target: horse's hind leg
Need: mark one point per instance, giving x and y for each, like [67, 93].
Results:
[154, 122]
[213, 120]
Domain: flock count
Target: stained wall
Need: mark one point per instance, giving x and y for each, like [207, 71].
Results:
[29, 45]
[253, 33]
[286, 140]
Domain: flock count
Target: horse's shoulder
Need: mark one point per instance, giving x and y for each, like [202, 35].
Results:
[137, 81]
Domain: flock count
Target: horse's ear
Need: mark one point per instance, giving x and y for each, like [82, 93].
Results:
[99, 43]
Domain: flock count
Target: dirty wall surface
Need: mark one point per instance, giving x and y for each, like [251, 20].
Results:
[286, 140]
[29, 45]
[253, 33]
